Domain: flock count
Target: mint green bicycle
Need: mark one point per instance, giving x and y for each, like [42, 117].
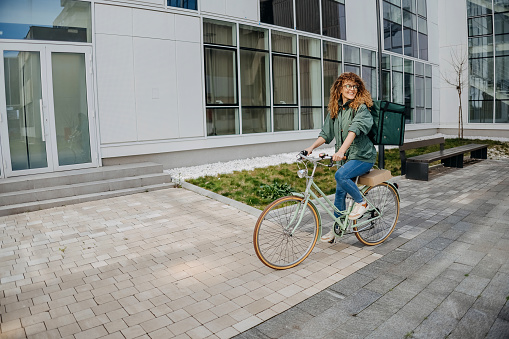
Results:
[288, 228]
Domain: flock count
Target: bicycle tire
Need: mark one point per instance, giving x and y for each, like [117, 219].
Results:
[274, 243]
[384, 197]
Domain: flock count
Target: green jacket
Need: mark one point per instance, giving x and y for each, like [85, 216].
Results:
[360, 123]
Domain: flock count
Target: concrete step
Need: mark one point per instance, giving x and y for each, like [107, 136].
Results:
[62, 191]
[40, 191]
[36, 181]
[39, 205]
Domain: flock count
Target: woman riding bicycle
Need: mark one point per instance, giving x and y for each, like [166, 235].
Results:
[349, 122]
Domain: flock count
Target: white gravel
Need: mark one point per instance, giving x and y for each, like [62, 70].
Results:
[184, 173]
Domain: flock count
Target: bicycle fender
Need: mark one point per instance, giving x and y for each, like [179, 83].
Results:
[300, 195]
[395, 188]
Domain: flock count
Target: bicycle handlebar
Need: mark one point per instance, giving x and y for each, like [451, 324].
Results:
[321, 156]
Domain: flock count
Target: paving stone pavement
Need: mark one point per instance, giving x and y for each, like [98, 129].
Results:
[444, 272]
[176, 264]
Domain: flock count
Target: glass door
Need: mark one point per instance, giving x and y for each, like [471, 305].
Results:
[46, 115]
[71, 104]
[23, 116]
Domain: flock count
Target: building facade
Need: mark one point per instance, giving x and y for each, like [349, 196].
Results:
[183, 82]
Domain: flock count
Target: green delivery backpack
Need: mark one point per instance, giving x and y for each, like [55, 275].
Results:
[388, 123]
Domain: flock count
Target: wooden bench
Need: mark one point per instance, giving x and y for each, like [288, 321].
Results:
[417, 167]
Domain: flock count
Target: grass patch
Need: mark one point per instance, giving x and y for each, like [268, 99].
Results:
[260, 186]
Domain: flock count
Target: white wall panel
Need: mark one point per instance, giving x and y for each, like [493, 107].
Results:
[245, 9]
[187, 28]
[113, 20]
[361, 22]
[153, 24]
[433, 43]
[215, 6]
[155, 88]
[115, 88]
[189, 89]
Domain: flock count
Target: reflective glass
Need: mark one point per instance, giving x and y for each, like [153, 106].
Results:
[421, 8]
[46, 20]
[284, 42]
[480, 111]
[500, 5]
[286, 119]
[285, 80]
[480, 26]
[409, 20]
[352, 54]
[369, 78]
[481, 78]
[309, 47]
[502, 23]
[420, 115]
[220, 76]
[429, 93]
[410, 39]
[219, 33]
[277, 12]
[397, 38]
[392, 13]
[71, 108]
[419, 91]
[255, 120]
[386, 85]
[429, 116]
[331, 51]
[502, 78]
[409, 5]
[397, 88]
[423, 46]
[397, 64]
[331, 71]
[253, 37]
[502, 45]
[481, 47]
[478, 7]
[310, 118]
[386, 61]
[428, 70]
[419, 68]
[353, 69]
[502, 111]
[423, 25]
[222, 121]
[254, 78]
[368, 58]
[409, 96]
[189, 4]
[25, 120]
[310, 82]
[308, 15]
[333, 19]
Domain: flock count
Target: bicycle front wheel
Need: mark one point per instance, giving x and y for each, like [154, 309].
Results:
[286, 232]
[384, 197]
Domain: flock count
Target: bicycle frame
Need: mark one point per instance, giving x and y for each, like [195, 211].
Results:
[343, 222]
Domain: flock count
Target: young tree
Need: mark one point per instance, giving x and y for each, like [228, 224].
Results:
[457, 78]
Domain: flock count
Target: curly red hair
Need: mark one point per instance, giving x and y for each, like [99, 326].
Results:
[362, 97]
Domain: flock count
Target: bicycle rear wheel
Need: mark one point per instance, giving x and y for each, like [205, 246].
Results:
[384, 197]
[278, 243]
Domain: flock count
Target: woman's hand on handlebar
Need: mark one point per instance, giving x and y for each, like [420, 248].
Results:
[309, 150]
[338, 156]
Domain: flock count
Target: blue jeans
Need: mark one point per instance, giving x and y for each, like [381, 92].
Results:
[345, 184]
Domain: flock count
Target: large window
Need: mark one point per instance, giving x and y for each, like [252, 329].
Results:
[277, 12]
[221, 77]
[406, 27]
[488, 53]
[332, 68]
[284, 77]
[310, 71]
[46, 20]
[254, 79]
[334, 19]
[325, 17]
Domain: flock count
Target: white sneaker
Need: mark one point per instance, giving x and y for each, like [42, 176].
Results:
[329, 237]
[358, 210]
